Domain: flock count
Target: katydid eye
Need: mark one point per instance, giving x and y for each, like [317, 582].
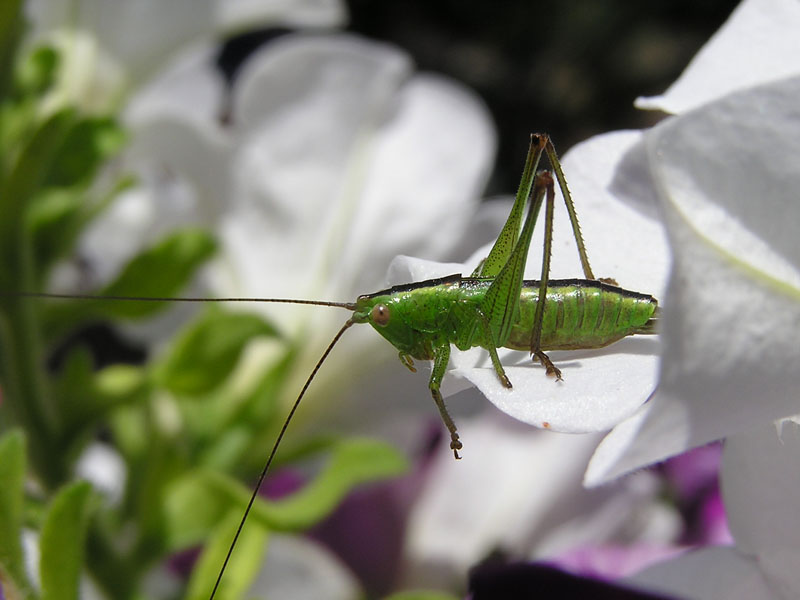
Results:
[380, 314]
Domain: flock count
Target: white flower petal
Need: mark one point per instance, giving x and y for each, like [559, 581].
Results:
[319, 154]
[299, 568]
[533, 506]
[758, 44]
[482, 230]
[761, 489]
[707, 574]
[729, 171]
[780, 569]
[600, 387]
[624, 237]
[239, 14]
[171, 152]
[175, 120]
[138, 34]
[429, 169]
[188, 87]
[104, 468]
[307, 108]
[451, 527]
[180, 155]
[344, 82]
[733, 307]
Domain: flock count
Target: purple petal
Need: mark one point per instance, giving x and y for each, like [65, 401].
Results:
[367, 531]
[714, 521]
[611, 562]
[694, 472]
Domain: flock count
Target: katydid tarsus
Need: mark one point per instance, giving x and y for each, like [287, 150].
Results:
[493, 307]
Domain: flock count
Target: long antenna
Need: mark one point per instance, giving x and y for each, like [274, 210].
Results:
[347, 305]
[261, 477]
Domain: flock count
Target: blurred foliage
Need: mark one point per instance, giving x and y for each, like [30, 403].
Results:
[63, 529]
[176, 421]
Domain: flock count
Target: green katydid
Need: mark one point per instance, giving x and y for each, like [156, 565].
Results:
[493, 307]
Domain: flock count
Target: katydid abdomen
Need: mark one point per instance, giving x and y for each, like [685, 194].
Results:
[580, 313]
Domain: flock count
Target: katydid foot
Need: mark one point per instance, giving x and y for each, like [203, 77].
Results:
[455, 444]
[550, 368]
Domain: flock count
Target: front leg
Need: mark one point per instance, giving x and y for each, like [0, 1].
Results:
[408, 362]
[441, 356]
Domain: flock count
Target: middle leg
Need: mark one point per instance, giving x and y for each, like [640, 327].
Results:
[441, 358]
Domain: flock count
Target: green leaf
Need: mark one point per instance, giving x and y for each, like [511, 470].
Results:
[57, 217]
[197, 501]
[159, 271]
[235, 421]
[354, 461]
[37, 71]
[242, 567]
[52, 208]
[85, 396]
[207, 352]
[130, 428]
[62, 542]
[12, 479]
[87, 145]
[28, 173]
[73, 388]
[11, 27]
[150, 479]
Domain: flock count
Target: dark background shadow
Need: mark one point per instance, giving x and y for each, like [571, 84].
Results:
[571, 68]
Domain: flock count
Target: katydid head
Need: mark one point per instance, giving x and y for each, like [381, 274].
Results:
[396, 317]
[374, 309]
